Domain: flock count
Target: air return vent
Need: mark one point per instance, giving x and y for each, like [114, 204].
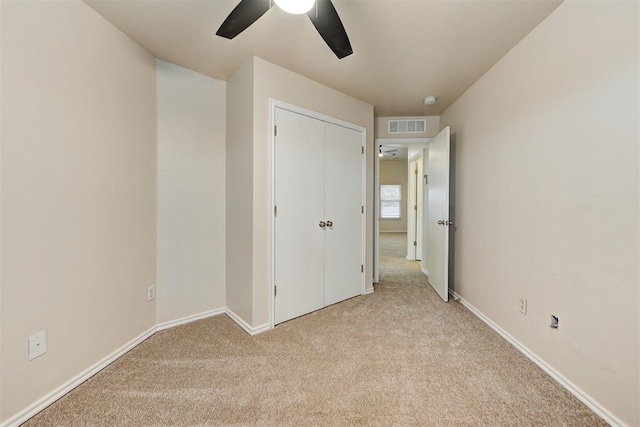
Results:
[408, 126]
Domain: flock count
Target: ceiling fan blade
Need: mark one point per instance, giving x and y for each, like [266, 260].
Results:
[245, 13]
[330, 27]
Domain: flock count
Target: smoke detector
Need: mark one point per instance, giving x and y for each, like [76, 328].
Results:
[430, 100]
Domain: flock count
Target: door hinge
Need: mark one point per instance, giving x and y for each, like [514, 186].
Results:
[415, 243]
[416, 171]
[275, 210]
[415, 207]
[275, 130]
[361, 268]
[362, 150]
[426, 179]
[275, 290]
[362, 210]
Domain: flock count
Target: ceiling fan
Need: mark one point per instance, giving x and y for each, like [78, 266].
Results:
[323, 16]
[387, 153]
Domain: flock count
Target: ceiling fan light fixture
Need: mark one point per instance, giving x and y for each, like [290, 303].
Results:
[326, 20]
[295, 7]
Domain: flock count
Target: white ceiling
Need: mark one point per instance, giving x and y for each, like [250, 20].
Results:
[404, 50]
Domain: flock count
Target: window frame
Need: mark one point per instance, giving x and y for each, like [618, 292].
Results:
[399, 201]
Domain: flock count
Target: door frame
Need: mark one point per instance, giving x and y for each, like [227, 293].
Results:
[416, 187]
[376, 194]
[273, 105]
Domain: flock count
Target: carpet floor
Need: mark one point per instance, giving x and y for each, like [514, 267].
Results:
[399, 356]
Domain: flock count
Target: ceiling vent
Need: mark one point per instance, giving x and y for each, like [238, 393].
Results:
[408, 126]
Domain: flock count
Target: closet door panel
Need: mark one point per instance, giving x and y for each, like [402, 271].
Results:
[343, 208]
[299, 197]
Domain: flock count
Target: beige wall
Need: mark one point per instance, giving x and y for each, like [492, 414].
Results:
[239, 193]
[382, 127]
[78, 193]
[395, 172]
[547, 197]
[191, 193]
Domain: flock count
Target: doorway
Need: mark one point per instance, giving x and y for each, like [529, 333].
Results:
[430, 210]
[399, 206]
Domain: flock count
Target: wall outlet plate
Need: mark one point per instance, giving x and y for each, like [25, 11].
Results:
[151, 293]
[37, 345]
[523, 305]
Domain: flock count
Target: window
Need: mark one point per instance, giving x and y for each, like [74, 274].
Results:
[390, 201]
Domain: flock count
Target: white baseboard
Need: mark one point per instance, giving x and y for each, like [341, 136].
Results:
[260, 329]
[425, 272]
[56, 394]
[368, 291]
[572, 388]
[189, 319]
[245, 326]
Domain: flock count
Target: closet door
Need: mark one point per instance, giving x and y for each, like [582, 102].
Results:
[299, 198]
[343, 209]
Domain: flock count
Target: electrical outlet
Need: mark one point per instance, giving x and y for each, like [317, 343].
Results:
[523, 305]
[37, 345]
[554, 322]
[151, 293]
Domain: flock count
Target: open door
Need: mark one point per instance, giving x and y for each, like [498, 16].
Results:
[438, 223]
[412, 206]
[415, 206]
[419, 207]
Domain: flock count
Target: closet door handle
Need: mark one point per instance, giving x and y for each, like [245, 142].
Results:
[329, 224]
[322, 224]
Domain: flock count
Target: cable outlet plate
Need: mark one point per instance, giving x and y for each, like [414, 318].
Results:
[151, 293]
[523, 305]
[37, 345]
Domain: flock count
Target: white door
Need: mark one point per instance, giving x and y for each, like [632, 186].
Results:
[438, 224]
[318, 224]
[343, 213]
[299, 200]
[419, 208]
[412, 206]
[425, 211]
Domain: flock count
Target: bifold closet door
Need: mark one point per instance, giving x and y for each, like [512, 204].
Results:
[299, 197]
[343, 208]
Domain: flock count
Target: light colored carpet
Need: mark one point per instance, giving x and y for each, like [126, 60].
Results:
[397, 357]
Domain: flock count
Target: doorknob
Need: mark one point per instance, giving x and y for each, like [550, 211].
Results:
[329, 223]
[322, 224]
[440, 222]
[448, 222]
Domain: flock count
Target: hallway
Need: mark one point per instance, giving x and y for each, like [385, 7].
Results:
[393, 257]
